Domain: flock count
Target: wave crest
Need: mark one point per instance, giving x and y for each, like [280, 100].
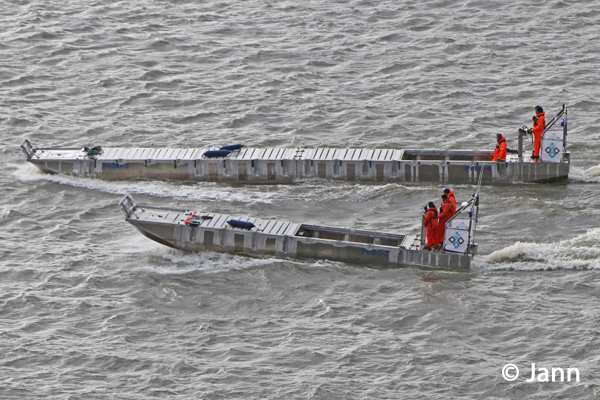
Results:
[581, 252]
[591, 174]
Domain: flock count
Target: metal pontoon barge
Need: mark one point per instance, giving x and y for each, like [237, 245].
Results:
[205, 231]
[287, 165]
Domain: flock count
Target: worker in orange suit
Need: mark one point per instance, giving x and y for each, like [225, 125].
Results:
[451, 197]
[431, 226]
[500, 152]
[539, 124]
[446, 212]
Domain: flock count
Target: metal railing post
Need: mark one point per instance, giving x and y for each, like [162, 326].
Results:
[522, 133]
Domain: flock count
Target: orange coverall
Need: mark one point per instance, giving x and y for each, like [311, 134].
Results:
[447, 211]
[500, 152]
[452, 199]
[539, 124]
[431, 226]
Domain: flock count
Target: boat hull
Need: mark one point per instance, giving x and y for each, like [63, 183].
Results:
[399, 166]
[284, 239]
[236, 163]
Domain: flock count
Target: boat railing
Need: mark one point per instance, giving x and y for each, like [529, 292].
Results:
[462, 241]
[29, 149]
[562, 114]
[128, 206]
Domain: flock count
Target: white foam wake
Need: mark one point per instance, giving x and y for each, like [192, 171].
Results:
[166, 261]
[581, 252]
[210, 191]
[202, 191]
[591, 174]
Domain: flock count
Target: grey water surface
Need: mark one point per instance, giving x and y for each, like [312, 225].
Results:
[90, 309]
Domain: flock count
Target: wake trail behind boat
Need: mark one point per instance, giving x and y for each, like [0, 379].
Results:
[211, 191]
[195, 191]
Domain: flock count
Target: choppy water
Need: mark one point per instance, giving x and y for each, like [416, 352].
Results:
[90, 309]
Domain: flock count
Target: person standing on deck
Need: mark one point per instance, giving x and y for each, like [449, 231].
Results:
[431, 226]
[500, 152]
[446, 212]
[451, 197]
[539, 124]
